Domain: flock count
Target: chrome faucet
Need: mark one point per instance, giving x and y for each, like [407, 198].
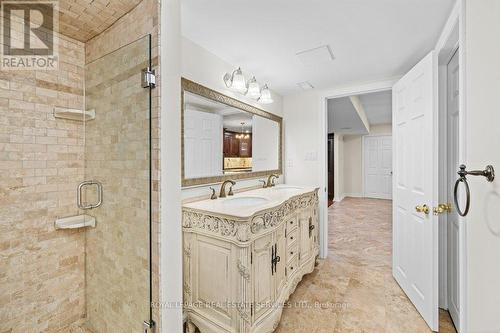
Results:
[270, 180]
[222, 193]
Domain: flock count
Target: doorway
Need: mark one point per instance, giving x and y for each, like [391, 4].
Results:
[331, 168]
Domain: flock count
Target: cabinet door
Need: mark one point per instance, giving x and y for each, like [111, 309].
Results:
[279, 275]
[263, 276]
[234, 146]
[305, 220]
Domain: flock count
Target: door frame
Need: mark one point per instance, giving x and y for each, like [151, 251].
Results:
[363, 185]
[451, 39]
[325, 95]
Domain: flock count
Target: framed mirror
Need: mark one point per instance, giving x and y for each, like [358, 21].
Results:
[224, 138]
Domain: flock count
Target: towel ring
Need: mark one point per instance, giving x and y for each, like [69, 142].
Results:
[467, 191]
[488, 173]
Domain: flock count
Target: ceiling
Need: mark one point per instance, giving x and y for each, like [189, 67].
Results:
[369, 40]
[344, 119]
[378, 107]
[85, 19]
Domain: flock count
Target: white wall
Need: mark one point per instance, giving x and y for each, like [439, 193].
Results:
[205, 68]
[353, 165]
[170, 160]
[302, 127]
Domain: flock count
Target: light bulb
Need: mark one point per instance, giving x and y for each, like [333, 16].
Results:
[265, 97]
[239, 83]
[253, 89]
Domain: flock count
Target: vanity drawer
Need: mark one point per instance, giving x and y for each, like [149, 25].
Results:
[292, 223]
[291, 237]
[292, 265]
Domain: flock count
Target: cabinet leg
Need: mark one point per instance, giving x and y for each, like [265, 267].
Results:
[190, 327]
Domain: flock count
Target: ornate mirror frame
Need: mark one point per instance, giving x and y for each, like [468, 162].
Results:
[198, 89]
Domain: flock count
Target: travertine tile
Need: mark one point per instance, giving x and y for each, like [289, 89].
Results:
[356, 282]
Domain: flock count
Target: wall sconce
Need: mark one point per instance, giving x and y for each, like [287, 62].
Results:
[253, 89]
[236, 81]
[265, 95]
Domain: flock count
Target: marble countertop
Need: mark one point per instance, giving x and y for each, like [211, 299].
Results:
[248, 203]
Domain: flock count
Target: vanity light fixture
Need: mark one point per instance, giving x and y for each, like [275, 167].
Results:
[265, 95]
[236, 81]
[253, 89]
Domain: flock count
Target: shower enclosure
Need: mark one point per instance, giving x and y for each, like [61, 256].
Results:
[117, 175]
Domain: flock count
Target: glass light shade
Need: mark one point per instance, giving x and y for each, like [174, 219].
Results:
[253, 89]
[239, 83]
[265, 97]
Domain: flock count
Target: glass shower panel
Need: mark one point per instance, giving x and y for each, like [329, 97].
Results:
[117, 155]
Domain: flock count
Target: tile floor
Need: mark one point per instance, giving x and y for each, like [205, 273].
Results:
[354, 286]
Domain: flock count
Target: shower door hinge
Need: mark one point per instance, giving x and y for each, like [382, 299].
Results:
[148, 78]
[149, 326]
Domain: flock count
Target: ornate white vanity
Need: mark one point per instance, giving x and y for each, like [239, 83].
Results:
[245, 254]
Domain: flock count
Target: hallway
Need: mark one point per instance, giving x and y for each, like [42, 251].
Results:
[353, 290]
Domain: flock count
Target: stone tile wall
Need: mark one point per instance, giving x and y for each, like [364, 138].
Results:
[41, 163]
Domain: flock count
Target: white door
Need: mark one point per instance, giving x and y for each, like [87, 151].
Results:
[202, 144]
[415, 232]
[480, 136]
[452, 167]
[378, 166]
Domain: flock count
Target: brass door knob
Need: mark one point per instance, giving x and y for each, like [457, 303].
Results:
[423, 209]
[442, 208]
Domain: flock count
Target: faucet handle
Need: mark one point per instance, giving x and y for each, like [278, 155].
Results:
[264, 183]
[213, 196]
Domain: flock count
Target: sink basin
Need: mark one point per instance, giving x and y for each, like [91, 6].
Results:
[245, 201]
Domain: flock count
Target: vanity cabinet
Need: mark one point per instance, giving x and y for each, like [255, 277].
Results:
[238, 272]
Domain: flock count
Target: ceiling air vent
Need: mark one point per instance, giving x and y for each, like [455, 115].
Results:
[318, 55]
[306, 85]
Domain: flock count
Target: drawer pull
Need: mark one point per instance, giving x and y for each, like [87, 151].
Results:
[291, 238]
[291, 253]
[291, 268]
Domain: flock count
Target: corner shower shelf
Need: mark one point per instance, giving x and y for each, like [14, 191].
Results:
[74, 114]
[73, 222]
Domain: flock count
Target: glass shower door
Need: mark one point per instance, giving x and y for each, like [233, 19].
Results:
[118, 156]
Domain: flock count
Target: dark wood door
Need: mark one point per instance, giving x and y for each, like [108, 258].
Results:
[331, 159]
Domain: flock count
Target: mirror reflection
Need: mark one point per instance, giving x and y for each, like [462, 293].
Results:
[220, 139]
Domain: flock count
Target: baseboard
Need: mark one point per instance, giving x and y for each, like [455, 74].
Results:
[338, 199]
[354, 195]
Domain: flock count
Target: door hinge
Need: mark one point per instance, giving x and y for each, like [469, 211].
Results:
[286, 272]
[285, 232]
[251, 258]
[148, 326]
[299, 255]
[251, 310]
[148, 78]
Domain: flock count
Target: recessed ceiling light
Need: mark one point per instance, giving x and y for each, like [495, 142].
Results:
[317, 55]
[306, 85]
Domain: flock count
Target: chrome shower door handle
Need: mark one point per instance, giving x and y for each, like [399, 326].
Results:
[82, 205]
